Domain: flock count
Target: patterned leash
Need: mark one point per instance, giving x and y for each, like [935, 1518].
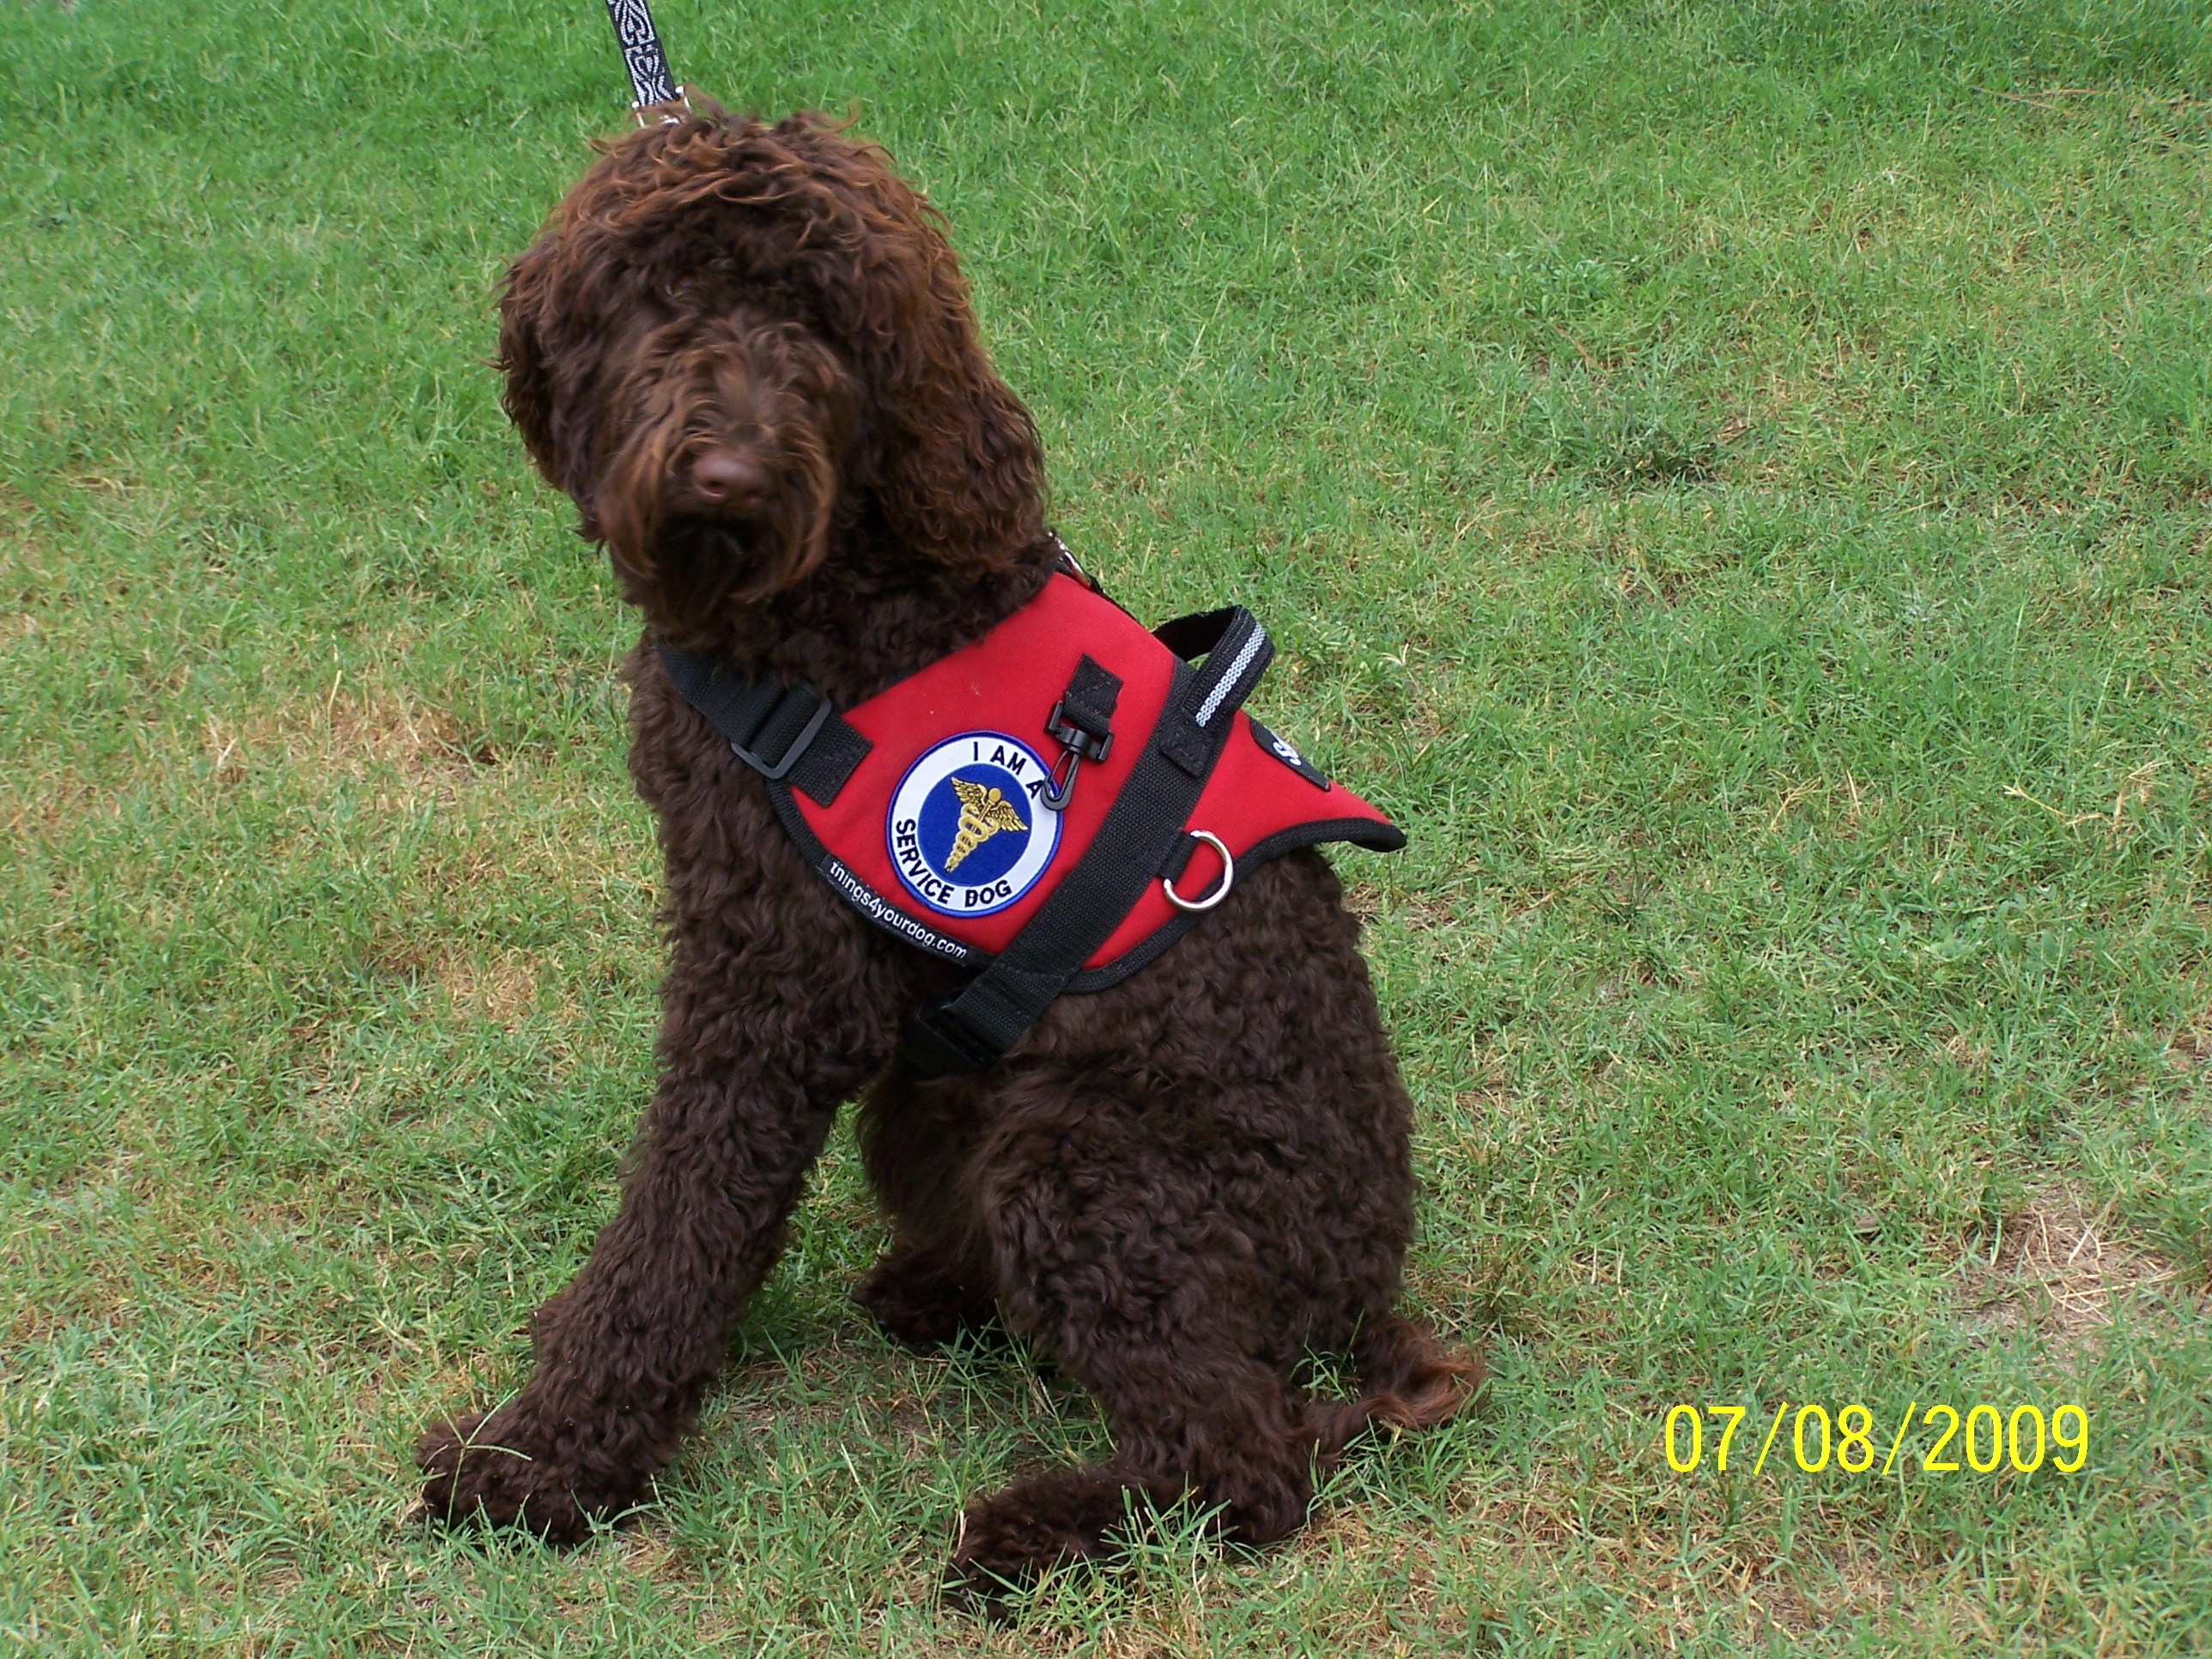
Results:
[658, 98]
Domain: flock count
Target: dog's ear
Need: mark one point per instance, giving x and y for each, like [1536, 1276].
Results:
[551, 365]
[528, 395]
[959, 471]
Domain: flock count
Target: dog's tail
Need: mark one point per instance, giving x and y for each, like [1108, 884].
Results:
[1407, 1379]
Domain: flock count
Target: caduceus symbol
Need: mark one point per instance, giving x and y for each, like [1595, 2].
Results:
[983, 812]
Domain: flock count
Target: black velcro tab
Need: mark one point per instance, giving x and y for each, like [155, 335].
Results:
[837, 749]
[1289, 756]
[1190, 751]
[790, 723]
[1088, 703]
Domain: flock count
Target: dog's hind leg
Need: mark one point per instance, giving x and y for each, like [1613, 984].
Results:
[920, 1301]
[1127, 1264]
[1223, 1428]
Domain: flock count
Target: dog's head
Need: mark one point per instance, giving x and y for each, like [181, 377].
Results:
[732, 341]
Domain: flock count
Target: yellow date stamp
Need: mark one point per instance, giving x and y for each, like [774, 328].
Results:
[1988, 1438]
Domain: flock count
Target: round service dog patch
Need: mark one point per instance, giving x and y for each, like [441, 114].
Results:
[967, 833]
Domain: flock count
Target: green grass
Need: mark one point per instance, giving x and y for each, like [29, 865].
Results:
[1733, 481]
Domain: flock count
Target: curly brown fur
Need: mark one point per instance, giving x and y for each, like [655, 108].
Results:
[746, 352]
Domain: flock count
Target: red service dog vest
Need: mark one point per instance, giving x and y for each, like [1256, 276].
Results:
[1055, 803]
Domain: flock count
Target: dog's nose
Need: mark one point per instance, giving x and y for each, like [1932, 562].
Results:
[729, 478]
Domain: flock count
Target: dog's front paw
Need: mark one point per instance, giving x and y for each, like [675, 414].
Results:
[486, 1471]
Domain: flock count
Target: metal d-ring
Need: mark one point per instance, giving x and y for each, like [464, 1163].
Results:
[1221, 889]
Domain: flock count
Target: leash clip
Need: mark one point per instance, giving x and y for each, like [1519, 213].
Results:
[666, 112]
[1081, 745]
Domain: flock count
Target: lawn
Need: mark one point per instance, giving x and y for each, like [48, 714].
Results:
[1733, 481]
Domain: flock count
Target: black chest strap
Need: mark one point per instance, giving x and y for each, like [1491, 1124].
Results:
[782, 732]
[976, 1026]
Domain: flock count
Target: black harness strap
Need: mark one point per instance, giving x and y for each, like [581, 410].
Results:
[1142, 832]
[782, 731]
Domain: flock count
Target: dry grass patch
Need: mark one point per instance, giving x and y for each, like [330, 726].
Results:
[135, 1238]
[2053, 1267]
[45, 807]
[349, 735]
[496, 989]
[2192, 1044]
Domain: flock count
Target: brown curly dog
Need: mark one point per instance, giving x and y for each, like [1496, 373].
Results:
[747, 353]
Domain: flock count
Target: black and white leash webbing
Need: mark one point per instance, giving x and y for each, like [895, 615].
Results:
[643, 56]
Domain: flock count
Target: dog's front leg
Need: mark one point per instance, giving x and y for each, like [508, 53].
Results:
[755, 1066]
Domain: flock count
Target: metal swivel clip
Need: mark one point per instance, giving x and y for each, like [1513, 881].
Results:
[1081, 744]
